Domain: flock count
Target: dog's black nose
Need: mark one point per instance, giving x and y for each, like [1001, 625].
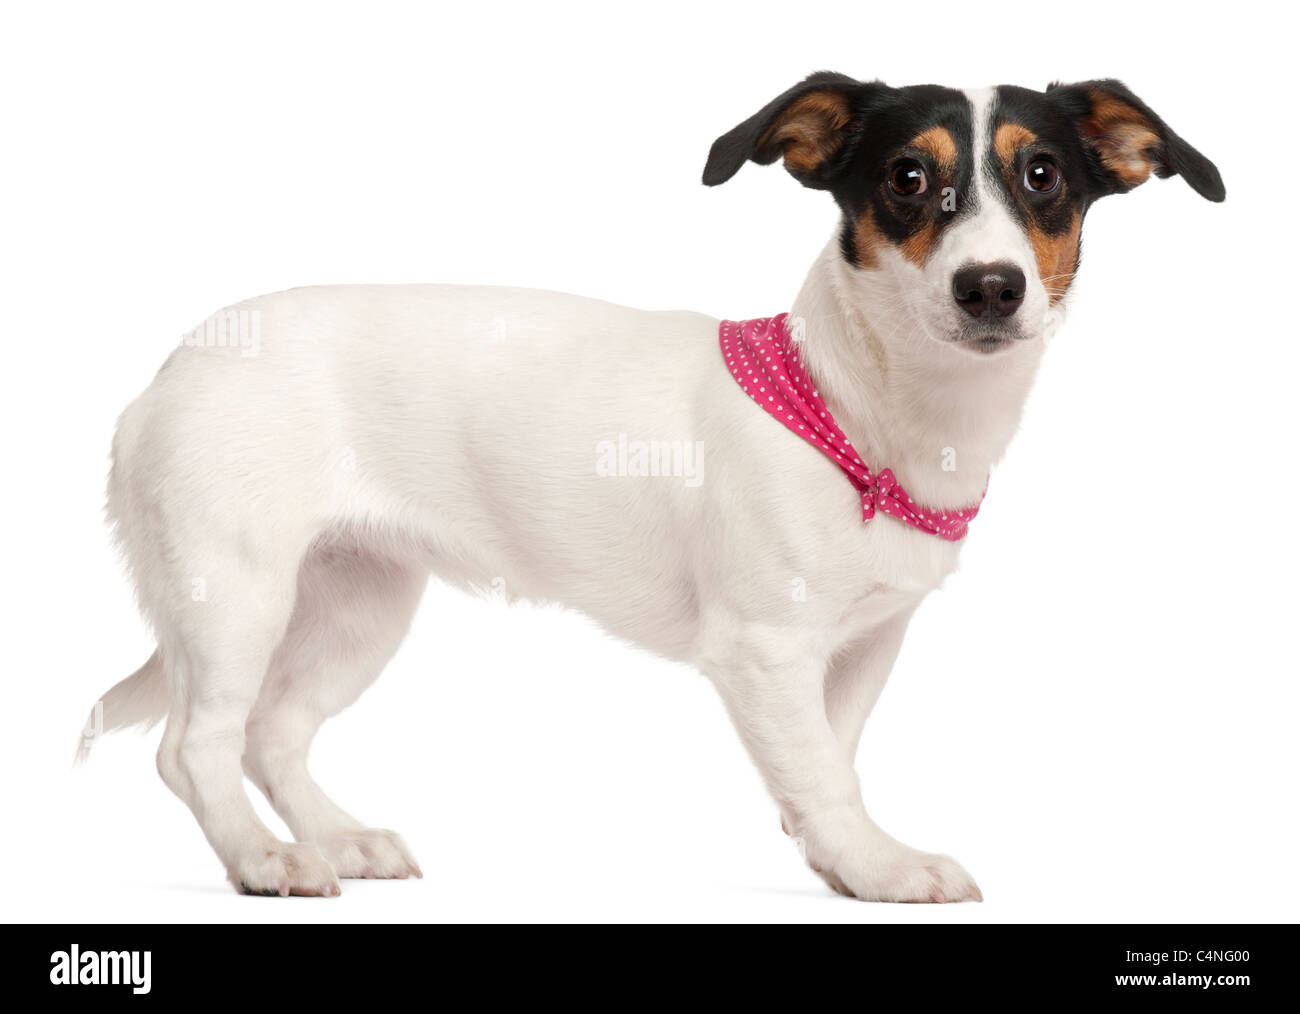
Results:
[989, 290]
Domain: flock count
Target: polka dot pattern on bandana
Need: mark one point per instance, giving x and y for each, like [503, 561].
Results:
[765, 362]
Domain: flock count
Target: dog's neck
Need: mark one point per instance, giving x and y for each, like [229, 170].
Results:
[937, 415]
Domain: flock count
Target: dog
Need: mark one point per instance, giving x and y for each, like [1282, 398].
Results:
[281, 499]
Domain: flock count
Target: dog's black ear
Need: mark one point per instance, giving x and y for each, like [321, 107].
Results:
[808, 126]
[1127, 142]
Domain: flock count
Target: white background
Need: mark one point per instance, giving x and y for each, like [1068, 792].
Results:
[1096, 715]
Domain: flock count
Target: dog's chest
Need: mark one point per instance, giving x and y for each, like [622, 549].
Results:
[896, 567]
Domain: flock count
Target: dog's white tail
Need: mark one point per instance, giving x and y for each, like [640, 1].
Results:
[141, 697]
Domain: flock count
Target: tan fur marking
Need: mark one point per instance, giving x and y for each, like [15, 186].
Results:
[937, 142]
[866, 238]
[1057, 257]
[1123, 138]
[808, 132]
[1008, 139]
[918, 246]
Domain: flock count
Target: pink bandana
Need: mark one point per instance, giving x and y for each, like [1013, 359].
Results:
[765, 362]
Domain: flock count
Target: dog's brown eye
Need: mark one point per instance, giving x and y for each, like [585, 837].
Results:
[1041, 176]
[907, 178]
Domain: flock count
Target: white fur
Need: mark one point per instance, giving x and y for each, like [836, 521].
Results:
[280, 512]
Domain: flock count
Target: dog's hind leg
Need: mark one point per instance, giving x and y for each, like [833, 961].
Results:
[216, 651]
[353, 608]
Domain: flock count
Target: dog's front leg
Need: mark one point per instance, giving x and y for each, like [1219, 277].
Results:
[773, 684]
[855, 678]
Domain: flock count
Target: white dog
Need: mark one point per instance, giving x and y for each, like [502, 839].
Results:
[282, 496]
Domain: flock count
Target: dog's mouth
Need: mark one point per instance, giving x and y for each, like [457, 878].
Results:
[989, 343]
[990, 339]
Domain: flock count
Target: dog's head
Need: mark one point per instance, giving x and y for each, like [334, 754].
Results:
[964, 208]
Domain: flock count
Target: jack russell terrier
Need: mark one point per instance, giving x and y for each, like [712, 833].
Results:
[284, 487]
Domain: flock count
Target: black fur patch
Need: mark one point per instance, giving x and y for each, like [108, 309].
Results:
[1056, 139]
[891, 120]
[882, 122]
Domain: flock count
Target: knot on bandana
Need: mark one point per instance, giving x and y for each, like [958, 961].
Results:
[879, 493]
[765, 362]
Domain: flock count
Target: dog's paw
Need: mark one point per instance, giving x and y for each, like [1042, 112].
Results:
[369, 853]
[904, 876]
[285, 868]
